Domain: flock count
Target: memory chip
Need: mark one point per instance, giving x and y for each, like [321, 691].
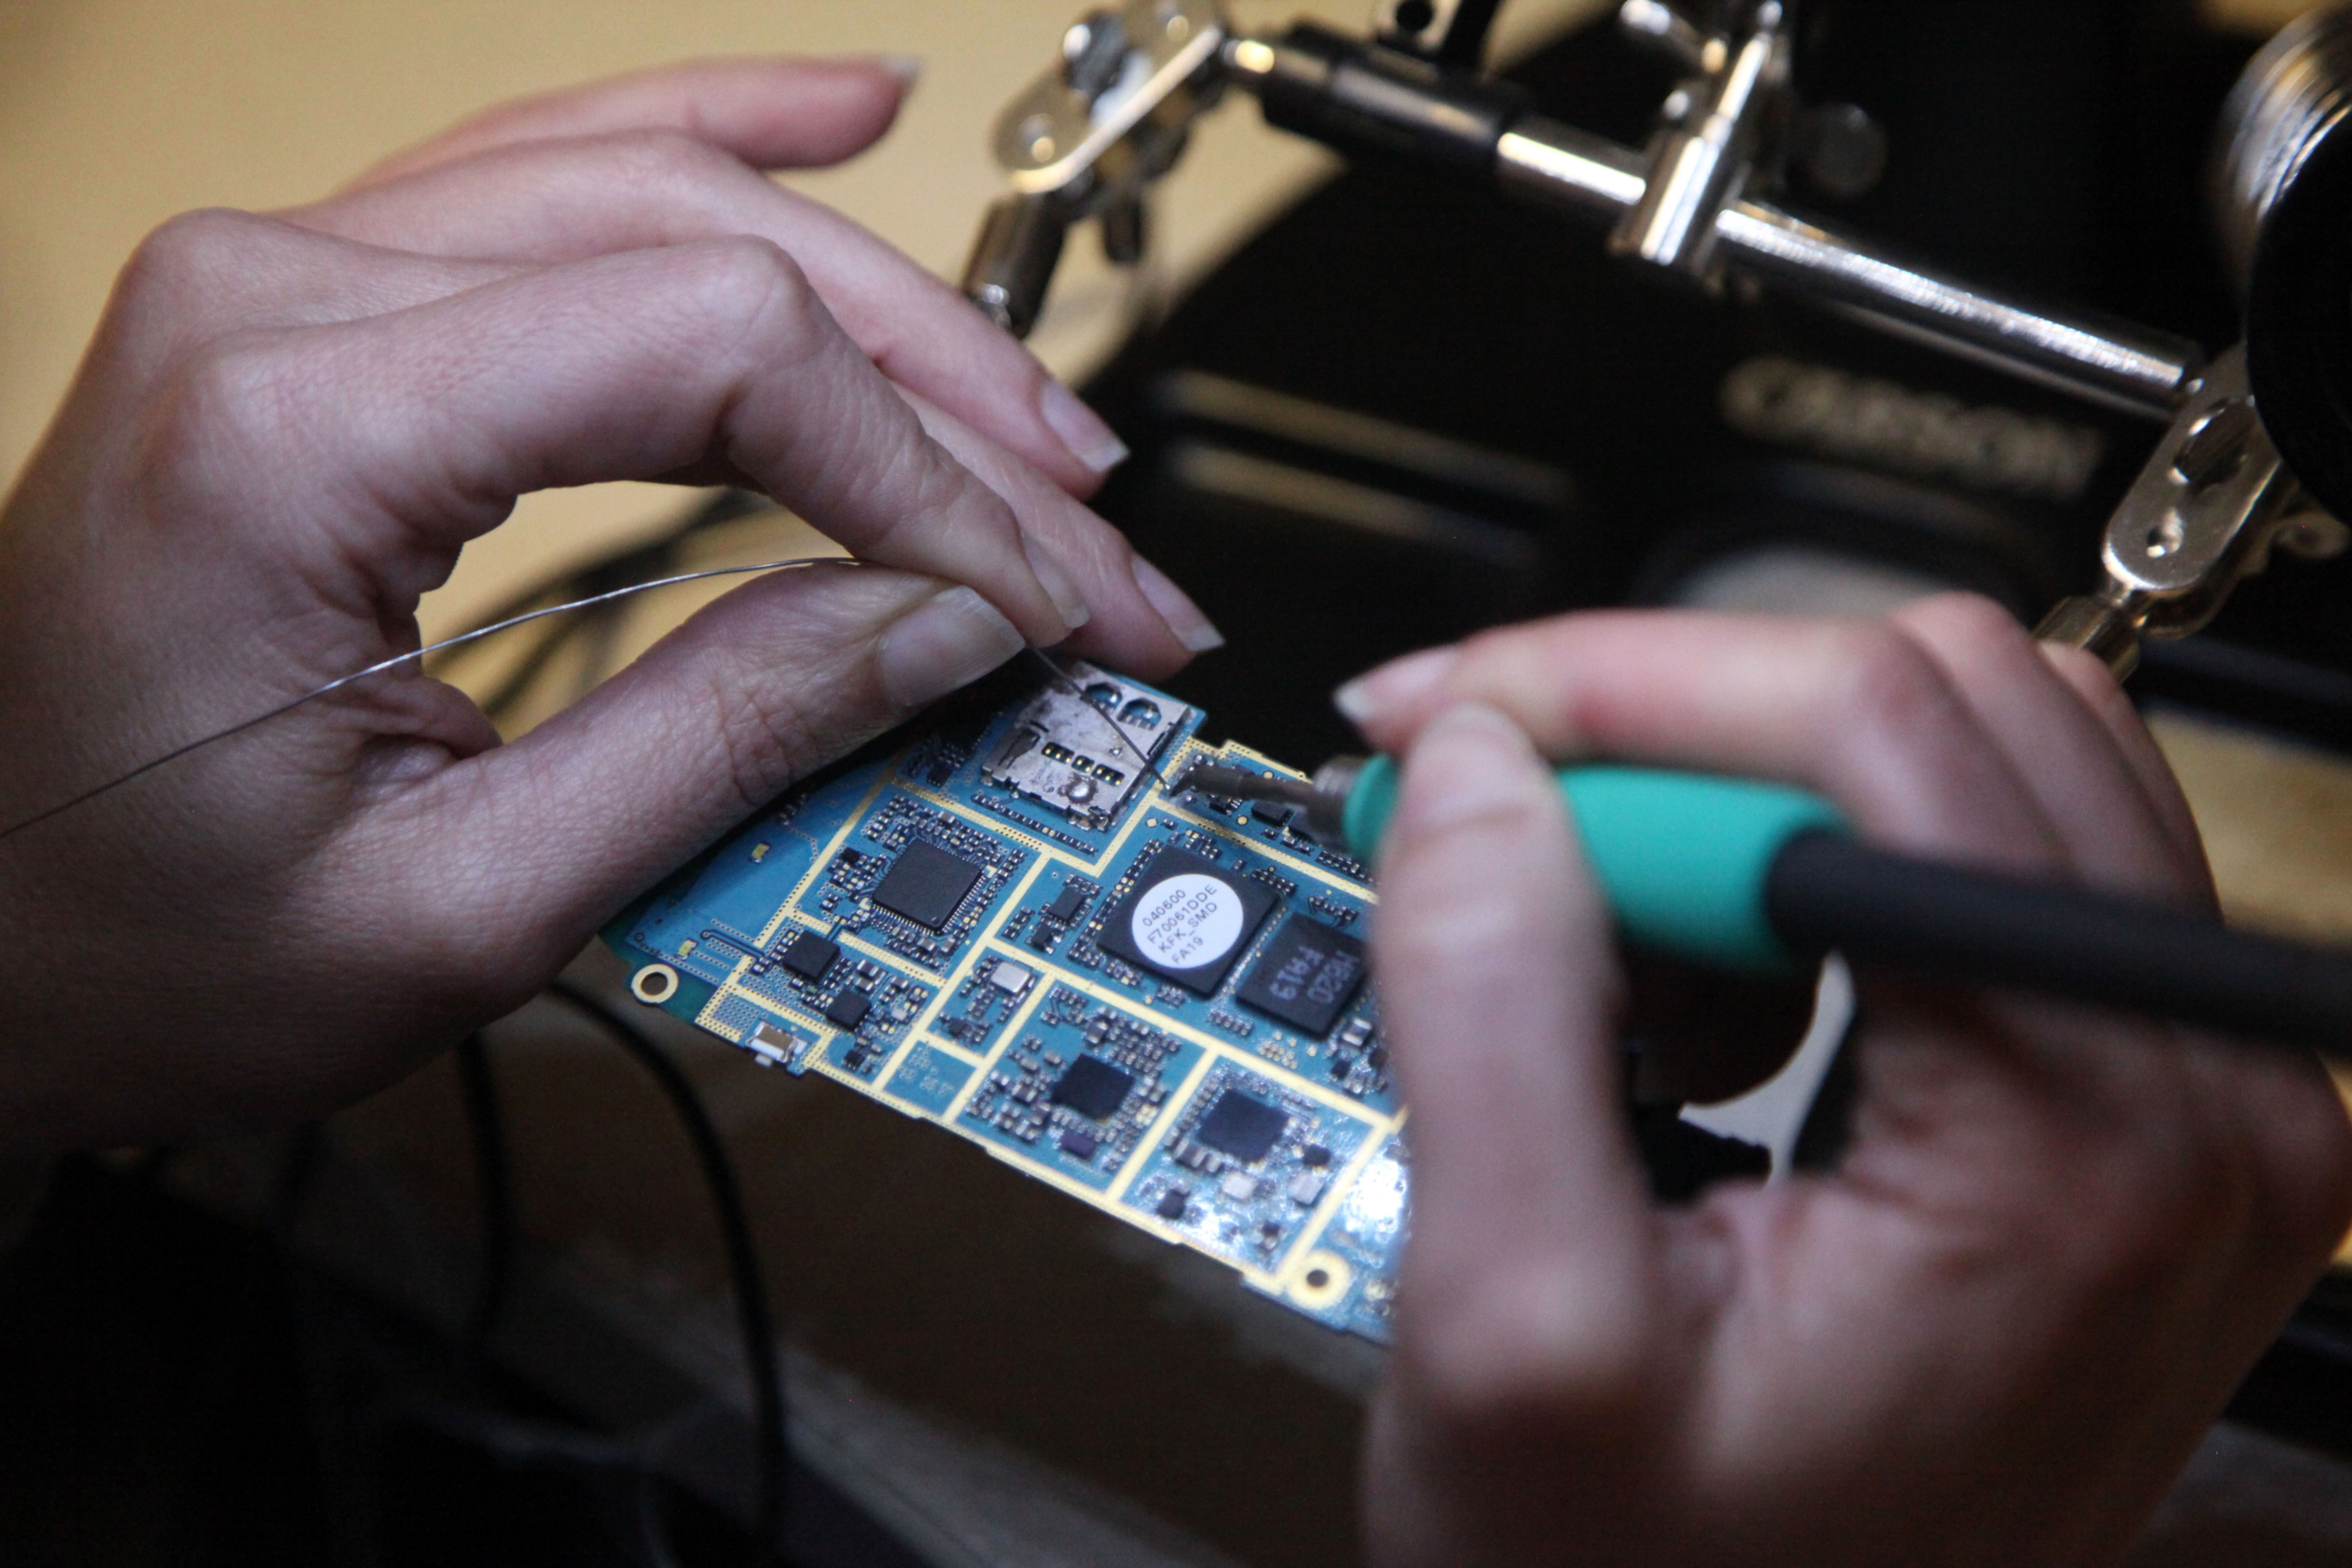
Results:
[1241, 1126]
[1306, 976]
[809, 955]
[926, 884]
[1094, 1087]
[1187, 920]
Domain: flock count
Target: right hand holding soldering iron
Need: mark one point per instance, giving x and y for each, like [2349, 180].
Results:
[2056, 1239]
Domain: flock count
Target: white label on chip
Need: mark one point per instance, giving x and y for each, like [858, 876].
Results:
[1187, 920]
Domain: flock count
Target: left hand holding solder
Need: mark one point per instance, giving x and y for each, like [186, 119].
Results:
[283, 434]
[2055, 1241]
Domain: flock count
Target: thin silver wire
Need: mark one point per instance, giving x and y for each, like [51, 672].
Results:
[143, 769]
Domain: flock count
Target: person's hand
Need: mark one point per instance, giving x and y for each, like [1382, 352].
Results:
[285, 431]
[2056, 1240]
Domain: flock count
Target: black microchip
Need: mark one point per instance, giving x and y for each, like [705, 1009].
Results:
[1187, 920]
[809, 955]
[849, 1010]
[1079, 1146]
[1315, 1154]
[1172, 1204]
[1068, 907]
[1243, 1127]
[1269, 813]
[1307, 973]
[1092, 1087]
[927, 884]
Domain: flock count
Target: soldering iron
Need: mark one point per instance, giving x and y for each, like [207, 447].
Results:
[1763, 879]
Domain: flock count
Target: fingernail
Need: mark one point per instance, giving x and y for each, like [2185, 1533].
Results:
[1059, 587]
[942, 645]
[908, 68]
[1081, 430]
[1193, 629]
[1396, 684]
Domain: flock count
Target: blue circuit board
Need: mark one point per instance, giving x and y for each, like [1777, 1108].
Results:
[1011, 925]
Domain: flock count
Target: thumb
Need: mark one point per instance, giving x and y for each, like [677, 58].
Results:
[530, 846]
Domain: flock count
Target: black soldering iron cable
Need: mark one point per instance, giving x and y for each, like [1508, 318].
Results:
[773, 1452]
[1826, 893]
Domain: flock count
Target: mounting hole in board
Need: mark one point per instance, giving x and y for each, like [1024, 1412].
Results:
[654, 985]
[1322, 1280]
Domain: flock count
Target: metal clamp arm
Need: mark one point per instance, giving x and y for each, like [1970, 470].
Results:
[1086, 138]
[1700, 162]
[1341, 92]
[2204, 514]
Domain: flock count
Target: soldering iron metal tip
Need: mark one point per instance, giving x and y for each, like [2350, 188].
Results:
[1325, 799]
[1240, 784]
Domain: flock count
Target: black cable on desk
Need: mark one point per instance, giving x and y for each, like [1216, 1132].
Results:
[494, 1192]
[743, 1259]
[1826, 892]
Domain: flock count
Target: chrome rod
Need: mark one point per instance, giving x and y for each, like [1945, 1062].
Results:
[2126, 367]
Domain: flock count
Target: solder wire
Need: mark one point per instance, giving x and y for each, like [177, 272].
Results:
[143, 769]
[1109, 723]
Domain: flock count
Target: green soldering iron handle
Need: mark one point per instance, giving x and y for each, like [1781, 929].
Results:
[1759, 877]
[1681, 857]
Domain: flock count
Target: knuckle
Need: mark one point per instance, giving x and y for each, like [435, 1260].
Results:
[1970, 616]
[764, 295]
[1968, 629]
[1884, 684]
[935, 496]
[196, 252]
[227, 412]
[660, 160]
[942, 484]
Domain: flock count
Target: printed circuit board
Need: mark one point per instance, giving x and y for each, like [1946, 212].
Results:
[1020, 925]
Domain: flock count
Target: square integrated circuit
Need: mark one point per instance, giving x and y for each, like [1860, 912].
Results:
[1093, 1087]
[1306, 976]
[1187, 920]
[1243, 1126]
[809, 955]
[925, 884]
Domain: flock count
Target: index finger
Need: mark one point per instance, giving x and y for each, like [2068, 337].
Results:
[1854, 709]
[637, 188]
[778, 113]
